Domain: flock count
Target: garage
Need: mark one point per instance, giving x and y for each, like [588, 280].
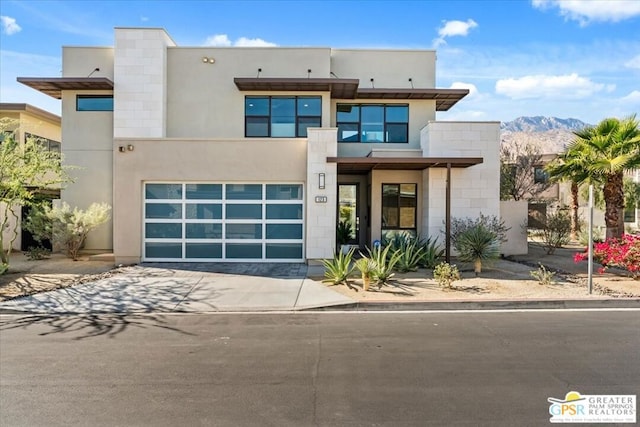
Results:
[232, 222]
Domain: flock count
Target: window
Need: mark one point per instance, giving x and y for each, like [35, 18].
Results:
[373, 123]
[94, 103]
[281, 116]
[399, 209]
[47, 144]
[540, 176]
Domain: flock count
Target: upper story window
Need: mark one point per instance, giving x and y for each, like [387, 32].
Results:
[540, 175]
[46, 143]
[281, 116]
[373, 123]
[94, 102]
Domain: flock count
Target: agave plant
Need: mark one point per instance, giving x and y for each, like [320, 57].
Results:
[338, 269]
[385, 263]
[432, 252]
[410, 255]
[477, 244]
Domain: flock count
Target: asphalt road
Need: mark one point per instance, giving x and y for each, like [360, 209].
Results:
[348, 369]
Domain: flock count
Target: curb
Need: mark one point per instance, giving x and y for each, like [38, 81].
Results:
[485, 305]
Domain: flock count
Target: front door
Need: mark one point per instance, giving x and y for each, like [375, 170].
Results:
[348, 214]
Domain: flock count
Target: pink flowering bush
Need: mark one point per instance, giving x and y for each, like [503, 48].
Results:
[623, 253]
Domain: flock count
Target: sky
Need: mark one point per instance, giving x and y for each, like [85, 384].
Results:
[569, 58]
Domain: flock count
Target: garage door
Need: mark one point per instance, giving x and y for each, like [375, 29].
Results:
[223, 222]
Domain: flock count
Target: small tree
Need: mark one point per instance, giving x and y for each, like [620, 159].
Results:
[66, 227]
[518, 163]
[556, 231]
[23, 169]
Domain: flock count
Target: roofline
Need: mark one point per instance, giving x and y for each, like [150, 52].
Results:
[28, 108]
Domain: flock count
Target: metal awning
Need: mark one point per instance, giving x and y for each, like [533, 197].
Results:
[445, 98]
[356, 165]
[339, 88]
[53, 86]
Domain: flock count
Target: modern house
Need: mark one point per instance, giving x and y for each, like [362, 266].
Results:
[253, 154]
[29, 122]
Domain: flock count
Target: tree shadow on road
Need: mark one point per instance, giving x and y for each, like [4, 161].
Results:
[84, 326]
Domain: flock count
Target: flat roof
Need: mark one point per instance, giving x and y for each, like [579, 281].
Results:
[349, 165]
[28, 108]
[53, 86]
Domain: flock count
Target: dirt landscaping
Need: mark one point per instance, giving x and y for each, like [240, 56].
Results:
[503, 279]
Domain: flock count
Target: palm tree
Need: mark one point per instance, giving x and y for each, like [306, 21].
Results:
[609, 149]
[570, 166]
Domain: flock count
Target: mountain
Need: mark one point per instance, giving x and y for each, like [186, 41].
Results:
[541, 124]
[550, 134]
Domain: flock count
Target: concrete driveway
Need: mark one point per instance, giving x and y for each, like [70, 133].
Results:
[188, 287]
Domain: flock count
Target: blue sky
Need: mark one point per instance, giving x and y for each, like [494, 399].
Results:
[578, 59]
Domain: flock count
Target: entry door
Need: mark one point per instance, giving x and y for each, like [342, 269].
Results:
[348, 209]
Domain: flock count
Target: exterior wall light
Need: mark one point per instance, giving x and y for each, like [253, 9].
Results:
[122, 149]
[130, 147]
[207, 60]
[321, 181]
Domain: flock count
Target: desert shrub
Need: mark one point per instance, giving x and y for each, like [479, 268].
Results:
[543, 276]
[385, 260]
[35, 253]
[556, 231]
[477, 244]
[488, 222]
[66, 227]
[445, 274]
[583, 235]
[338, 269]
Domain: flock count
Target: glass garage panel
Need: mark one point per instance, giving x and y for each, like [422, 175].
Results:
[203, 231]
[284, 250]
[284, 231]
[165, 230]
[238, 211]
[203, 211]
[163, 250]
[204, 250]
[284, 192]
[163, 210]
[244, 250]
[243, 231]
[284, 211]
[163, 191]
[244, 191]
[204, 191]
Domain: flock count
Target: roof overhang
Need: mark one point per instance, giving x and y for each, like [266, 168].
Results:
[53, 86]
[445, 98]
[339, 88]
[352, 165]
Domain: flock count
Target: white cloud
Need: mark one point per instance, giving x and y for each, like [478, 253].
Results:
[473, 90]
[586, 11]
[632, 98]
[570, 86]
[454, 28]
[224, 40]
[633, 62]
[9, 25]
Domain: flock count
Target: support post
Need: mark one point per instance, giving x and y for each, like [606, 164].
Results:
[447, 227]
[590, 260]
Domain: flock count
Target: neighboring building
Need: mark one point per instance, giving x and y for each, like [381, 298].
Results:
[246, 154]
[31, 122]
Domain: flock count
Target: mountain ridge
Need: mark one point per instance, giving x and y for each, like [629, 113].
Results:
[551, 135]
[541, 124]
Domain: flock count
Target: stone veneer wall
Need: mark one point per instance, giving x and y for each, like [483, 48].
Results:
[321, 216]
[140, 76]
[474, 190]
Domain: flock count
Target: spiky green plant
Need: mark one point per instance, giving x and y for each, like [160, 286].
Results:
[385, 260]
[477, 244]
[338, 269]
[432, 252]
[410, 255]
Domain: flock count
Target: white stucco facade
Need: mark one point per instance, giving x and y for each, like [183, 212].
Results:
[179, 160]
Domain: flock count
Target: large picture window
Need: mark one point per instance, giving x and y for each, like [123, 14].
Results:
[281, 116]
[373, 123]
[399, 209]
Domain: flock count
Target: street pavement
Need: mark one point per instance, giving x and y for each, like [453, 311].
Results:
[310, 369]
